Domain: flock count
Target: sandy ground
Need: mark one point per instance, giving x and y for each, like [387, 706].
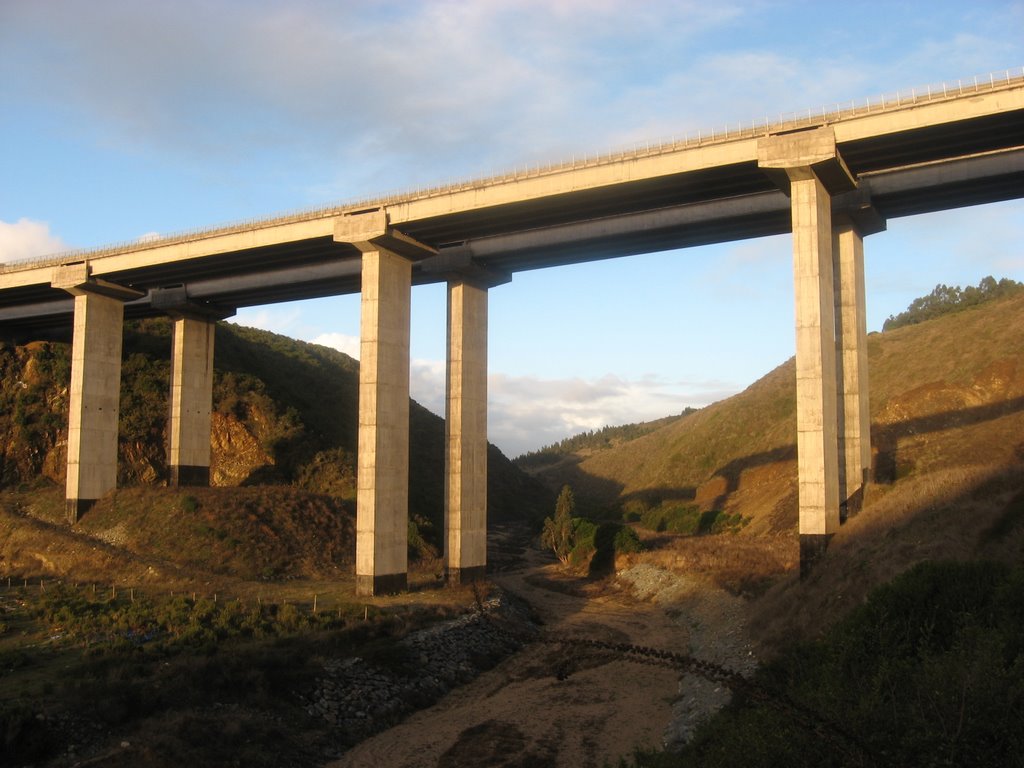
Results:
[553, 705]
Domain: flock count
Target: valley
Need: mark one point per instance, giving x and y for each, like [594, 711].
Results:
[177, 625]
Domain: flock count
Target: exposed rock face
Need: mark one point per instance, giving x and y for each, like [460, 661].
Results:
[236, 453]
[33, 428]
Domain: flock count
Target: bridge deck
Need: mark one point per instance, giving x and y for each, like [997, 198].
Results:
[931, 152]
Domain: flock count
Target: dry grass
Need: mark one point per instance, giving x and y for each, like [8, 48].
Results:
[954, 514]
[742, 565]
[947, 403]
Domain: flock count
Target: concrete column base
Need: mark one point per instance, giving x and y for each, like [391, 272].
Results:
[812, 549]
[470, 575]
[368, 586]
[185, 475]
[75, 508]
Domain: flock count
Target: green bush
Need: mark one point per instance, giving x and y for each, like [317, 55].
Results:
[689, 520]
[626, 541]
[584, 533]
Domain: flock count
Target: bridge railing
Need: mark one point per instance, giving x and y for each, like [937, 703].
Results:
[734, 132]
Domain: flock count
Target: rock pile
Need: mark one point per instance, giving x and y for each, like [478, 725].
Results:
[363, 696]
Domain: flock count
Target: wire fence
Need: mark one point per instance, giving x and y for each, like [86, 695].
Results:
[734, 132]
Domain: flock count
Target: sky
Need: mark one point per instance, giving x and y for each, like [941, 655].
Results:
[127, 119]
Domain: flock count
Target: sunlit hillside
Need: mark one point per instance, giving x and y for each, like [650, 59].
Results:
[947, 404]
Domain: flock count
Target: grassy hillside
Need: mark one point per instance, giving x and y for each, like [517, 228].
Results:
[945, 393]
[947, 405]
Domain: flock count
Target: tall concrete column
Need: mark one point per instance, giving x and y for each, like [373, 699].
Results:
[191, 397]
[812, 171]
[95, 391]
[852, 359]
[465, 520]
[191, 401]
[382, 473]
[382, 476]
[817, 416]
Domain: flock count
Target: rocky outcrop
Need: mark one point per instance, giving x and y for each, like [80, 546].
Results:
[235, 451]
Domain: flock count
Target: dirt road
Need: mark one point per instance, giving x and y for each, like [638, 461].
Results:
[553, 705]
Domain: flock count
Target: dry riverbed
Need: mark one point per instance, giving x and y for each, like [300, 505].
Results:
[555, 704]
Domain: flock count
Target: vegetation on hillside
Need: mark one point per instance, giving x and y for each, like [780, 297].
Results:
[686, 519]
[176, 679]
[964, 369]
[946, 299]
[285, 412]
[929, 671]
[582, 543]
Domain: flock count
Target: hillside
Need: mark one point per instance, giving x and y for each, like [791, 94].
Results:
[926, 381]
[285, 413]
[947, 404]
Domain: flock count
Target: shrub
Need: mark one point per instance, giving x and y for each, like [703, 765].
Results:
[626, 541]
[584, 534]
[688, 520]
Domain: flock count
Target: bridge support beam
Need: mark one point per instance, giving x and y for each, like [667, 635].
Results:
[95, 391]
[191, 401]
[188, 427]
[813, 171]
[465, 519]
[854, 414]
[465, 506]
[382, 472]
[382, 475]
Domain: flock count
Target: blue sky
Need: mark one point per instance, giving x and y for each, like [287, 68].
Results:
[120, 119]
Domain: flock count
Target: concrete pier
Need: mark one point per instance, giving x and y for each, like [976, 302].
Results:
[382, 495]
[854, 417]
[382, 472]
[813, 172]
[191, 396]
[191, 401]
[95, 391]
[465, 520]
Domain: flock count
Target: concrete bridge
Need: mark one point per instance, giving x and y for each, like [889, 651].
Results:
[831, 177]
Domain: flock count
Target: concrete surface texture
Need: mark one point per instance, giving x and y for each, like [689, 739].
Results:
[466, 433]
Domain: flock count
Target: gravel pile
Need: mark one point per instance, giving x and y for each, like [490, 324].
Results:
[363, 696]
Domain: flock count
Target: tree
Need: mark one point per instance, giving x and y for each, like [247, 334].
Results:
[558, 531]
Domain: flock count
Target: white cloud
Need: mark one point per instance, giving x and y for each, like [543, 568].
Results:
[427, 384]
[526, 413]
[498, 80]
[25, 239]
[339, 341]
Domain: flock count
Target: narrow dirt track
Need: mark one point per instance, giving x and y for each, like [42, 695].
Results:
[548, 706]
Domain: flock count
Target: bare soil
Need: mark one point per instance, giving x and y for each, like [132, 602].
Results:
[554, 705]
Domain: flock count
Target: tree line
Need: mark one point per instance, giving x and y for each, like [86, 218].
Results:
[947, 299]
